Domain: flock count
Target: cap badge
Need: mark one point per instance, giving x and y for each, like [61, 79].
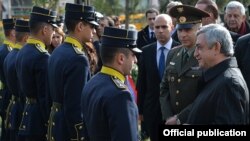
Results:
[180, 9]
[182, 19]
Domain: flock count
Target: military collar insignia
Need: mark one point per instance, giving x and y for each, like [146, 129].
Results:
[77, 46]
[118, 83]
[114, 73]
[74, 42]
[9, 44]
[38, 44]
[18, 46]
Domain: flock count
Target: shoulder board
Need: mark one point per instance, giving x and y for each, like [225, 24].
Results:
[9, 48]
[118, 83]
[42, 50]
[77, 50]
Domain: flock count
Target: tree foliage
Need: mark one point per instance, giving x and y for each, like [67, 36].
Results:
[49, 4]
[221, 3]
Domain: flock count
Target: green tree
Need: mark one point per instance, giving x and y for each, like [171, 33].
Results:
[108, 7]
[49, 4]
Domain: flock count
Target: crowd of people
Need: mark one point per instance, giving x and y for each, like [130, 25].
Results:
[69, 77]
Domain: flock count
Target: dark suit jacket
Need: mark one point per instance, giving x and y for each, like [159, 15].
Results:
[143, 38]
[148, 85]
[242, 54]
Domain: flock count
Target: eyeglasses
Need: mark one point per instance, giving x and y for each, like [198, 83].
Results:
[162, 26]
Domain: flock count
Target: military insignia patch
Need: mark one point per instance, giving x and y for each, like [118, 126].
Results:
[77, 50]
[9, 48]
[118, 83]
[42, 50]
[180, 9]
[182, 19]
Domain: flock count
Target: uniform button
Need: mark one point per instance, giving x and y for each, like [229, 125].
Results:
[193, 76]
[9, 125]
[80, 127]
[179, 80]
[53, 123]
[177, 103]
[53, 139]
[26, 113]
[24, 126]
[56, 109]
[9, 113]
[1, 97]
[82, 138]
[177, 92]
[172, 79]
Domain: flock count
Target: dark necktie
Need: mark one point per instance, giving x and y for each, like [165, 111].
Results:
[184, 58]
[152, 36]
[162, 62]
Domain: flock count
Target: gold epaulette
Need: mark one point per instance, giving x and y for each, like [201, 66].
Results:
[118, 83]
[42, 50]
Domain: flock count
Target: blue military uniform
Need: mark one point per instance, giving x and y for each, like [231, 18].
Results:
[15, 107]
[108, 107]
[68, 72]
[31, 66]
[8, 24]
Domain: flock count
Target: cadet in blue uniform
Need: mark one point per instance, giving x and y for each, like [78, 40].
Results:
[31, 65]
[109, 111]
[9, 42]
[15, 108]
[68, 72]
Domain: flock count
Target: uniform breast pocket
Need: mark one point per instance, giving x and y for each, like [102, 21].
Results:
[171, 74]
[193, 73]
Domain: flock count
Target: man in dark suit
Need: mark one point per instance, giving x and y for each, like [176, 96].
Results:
[16, 104]
[68, 72]
[31, 67]
[147, 35]
[108, 107]
[180, 82]
[8, 44]
[151, 68]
